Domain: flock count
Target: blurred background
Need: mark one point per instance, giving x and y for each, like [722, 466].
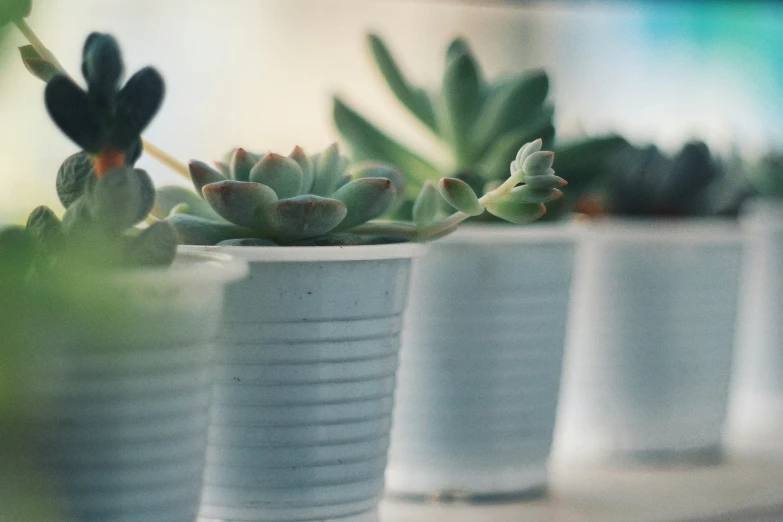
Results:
[260, 73]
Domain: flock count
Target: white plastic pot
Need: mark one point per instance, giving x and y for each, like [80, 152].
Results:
[124, 427]
[649, 354]
[756, 412]
[305, 371]
[480, 364]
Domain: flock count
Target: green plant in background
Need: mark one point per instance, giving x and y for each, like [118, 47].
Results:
[645, 182]
[266, 199]
[103, 194]
[766, 176]
[480, 123]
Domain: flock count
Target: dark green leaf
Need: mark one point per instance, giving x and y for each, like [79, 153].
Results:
[137, 103]
[17, 252]
[102, 68]
[36, 65]
[281, 174]
[75, 177]
[72, 112]
[369, 143]
[193, 230]
[462, 94]
[202, 174]
[510, 107]
[305, 216]
[414, 98]
[458, 47]
[122, 198]
[240, 202]
[366, 199]
[156, 245]
[13, 10]
[45, 226]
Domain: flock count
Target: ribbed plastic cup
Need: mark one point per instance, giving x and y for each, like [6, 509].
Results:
[650, 345]
[125, 420]
[305, 372]
[480, 364]
[755, 422]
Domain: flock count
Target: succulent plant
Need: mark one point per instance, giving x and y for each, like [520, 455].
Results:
[766, 176]
[482, 124]
[269, 199]
[645, 182]
[103, 194]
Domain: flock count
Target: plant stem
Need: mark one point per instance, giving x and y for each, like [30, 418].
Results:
[153, 150]
[166, 159]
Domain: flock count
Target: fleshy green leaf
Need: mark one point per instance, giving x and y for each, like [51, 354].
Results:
[102, 67]
[167, 198]
[137, 103]
[515, 211]
[425, 208]
[511, 106]
[528, 194]
[180, 208]
[299, 156]
[365, 199]
[202, 174]
[462, 93]
[156, 245]
[376, 169]
[240, 202]
[36, 65]
[72, 112]
[538, 163]
[193, 230]
[414, 98]
[547, 181]
[75, 177]
[369, 143]
[45, 226]
[223, 168]
[305, 216]
[241, 163]
[17, 251]
[121, 198]
[327, 171]
[458, 47]
[281, 174]
[495, 163]
[460, 196]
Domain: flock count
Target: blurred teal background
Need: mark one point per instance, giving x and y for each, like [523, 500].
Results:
[260, 73]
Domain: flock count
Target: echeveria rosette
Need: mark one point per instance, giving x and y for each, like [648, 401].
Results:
[268, 199]
[273, 199]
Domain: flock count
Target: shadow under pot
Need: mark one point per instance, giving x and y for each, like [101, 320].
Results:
[124, 391]
[480, 364]
[650, 342]
[304, 375]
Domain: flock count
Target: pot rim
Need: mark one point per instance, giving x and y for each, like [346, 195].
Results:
[497, 233]
[309, 254]
[690, 230]
[189, 268]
